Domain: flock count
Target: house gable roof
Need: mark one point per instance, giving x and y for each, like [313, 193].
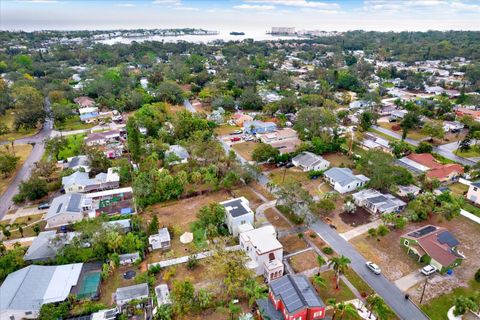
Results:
[296, 293]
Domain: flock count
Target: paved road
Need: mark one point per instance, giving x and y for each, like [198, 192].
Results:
[405, 309]
[189, 106]
[24, 172]
[443, 150]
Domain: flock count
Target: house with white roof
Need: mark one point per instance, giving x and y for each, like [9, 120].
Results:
[163, 294]
[238, 215]
[376, 202]
[128, 258]
[373, 142]
[161, 240]
[308, 161]
[253, 127]
[343, 180]
[80, 181]
[24, 291]
[264, 250]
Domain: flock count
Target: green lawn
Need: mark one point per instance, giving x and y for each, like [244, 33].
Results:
[471, 208]
[473, 152]
[358, 282]
[73, 123]
[388, 85]
[383, 135]
[343, 293]
[73, 148]
[437, 308]
[458, 188]
[8, 119]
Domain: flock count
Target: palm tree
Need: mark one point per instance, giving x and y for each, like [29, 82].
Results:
[19, 226]
[234, 310]
[346, 309]
[114, 241]
[321, 261]
[378, 306]
[339, 265]
[6, 230]
[319, 281]
[332, 302]
[12, 142]
[254, 291]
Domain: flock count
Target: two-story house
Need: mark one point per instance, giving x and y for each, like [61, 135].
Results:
[264, 250]
[291, 297]
[238, 215]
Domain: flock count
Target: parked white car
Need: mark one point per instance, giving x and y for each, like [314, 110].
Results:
[373, 267]
[428, 270]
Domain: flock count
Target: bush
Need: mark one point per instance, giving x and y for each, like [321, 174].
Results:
[382, 230]
[155, 269]
[171, 271]
[477, 275]
[19, 198]
[192, 262]
[372, 232]
[327, 250]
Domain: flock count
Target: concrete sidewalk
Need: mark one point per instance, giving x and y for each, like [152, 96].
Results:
[360, 230]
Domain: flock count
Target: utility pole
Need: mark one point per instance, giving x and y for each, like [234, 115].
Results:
[423, 291]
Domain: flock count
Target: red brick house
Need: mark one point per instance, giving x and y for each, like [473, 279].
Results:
[291, 297]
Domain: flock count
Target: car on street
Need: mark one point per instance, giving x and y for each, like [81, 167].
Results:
[289, 165]
[373, 267]
[428, 270]
[43, 206]
[234, 139]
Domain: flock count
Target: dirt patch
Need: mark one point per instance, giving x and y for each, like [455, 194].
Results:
[245, 149]
[248, 193]
[338, 160]
[276, 220]
[357, 218]
[292, 243]
[260, 189]
[304, 261]
[317, 241]
[183, 212]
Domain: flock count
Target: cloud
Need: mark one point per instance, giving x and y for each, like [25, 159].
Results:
[254, 7]
[181, 8]
[419, 6]
[168, 2]
[125, 5]
[321, 11]
[38, 1]
[298, 3]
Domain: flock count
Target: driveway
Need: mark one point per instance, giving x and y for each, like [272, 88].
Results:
[408, 281]
[360, 230]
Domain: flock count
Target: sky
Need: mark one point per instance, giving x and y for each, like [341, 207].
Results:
[241, 15]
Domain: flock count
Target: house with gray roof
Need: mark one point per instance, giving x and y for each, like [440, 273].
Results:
[237, 214]
[343, 180]
[81, 163]
[24, 291]
[126, 294]
[161, 240]
[179, 153]
[66, 209]
[122, 226]
[163, 294]
[256, 126]
[376, 202]
[46, 245]
[308, 161]
[128, 258]
[80, 181]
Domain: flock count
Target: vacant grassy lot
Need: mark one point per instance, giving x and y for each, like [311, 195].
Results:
[473, 152]
[304, 261]
[22, 151]
[279, 175]
[73, 123]
[245, 149]
[412, 134]
[458, 188]
[8, 119]
[276, 220]
[292, 243]
[338, 160]
[343, 293]
[225, 129]
[183, 212]
[248, 193]
[74, 146]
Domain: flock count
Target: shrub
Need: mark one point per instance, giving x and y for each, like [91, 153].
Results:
[171, 271]
[300, 235]
[327, 250]
[313, 235]
[372, 232]
[477, 275]
[192, 262]
[382, 230]
[155, 269]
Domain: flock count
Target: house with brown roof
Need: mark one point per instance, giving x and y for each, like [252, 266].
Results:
[426, 163]
[475, 114]
[433, 245]
[240, 118]
[84, 102]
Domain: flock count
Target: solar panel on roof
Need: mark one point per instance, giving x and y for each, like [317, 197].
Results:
[59, 207]
[74, 203]
[422, 232]
[448, 238]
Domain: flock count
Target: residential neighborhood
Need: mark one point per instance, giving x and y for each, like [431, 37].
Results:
[302, 175]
